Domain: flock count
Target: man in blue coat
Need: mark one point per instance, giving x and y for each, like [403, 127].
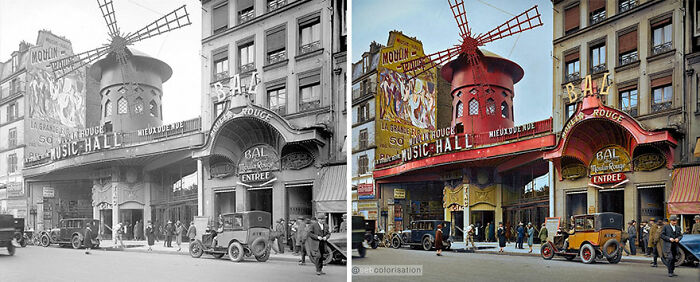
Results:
[671, 234]
[521, 235]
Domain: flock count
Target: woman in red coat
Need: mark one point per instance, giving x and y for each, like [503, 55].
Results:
[438, 240]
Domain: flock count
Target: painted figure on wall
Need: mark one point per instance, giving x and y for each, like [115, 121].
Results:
[59, 101]
[409, 102]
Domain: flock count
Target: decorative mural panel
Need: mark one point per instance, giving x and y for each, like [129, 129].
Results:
[102, 195]
[574, 171]
[131, 193]
[610, 159]
[648, 161]
[482, 195]
[453, 196]
[259, 158]
[297, 160]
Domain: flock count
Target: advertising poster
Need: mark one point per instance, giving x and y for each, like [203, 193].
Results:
[405, 107]
[55, 107]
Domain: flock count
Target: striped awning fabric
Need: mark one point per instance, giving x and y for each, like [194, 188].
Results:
[330, 192]
[685, 196]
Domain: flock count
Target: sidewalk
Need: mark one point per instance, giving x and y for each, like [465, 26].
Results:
[492, 248]
[158, 248]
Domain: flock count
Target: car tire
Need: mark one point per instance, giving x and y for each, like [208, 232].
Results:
[547, 252]
[10, 248]
[610, 249]
[396, 242]
[23, 243]
[587, 254]
[362, 251]
[374, 244]
[681, 257]
[264, 257]
[75, 242]
[196, 249]
[426, 244]
[258, 247]
[236, 252]
[328, 255]
[45, 240]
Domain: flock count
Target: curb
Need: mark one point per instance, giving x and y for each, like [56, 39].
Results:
[624, 259]
[183, 252]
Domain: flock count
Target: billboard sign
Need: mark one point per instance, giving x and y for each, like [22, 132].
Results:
[405, 107]
[365, 191]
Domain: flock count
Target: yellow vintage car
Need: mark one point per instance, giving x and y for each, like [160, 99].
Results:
[594, 236]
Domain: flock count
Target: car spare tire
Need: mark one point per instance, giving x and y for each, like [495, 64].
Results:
[258, 246]
[610, 249]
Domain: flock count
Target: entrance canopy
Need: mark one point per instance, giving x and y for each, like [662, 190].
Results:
[685, 196]
[330, 190]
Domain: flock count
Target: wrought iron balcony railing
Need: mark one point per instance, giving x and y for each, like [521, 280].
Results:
[221, 75]
[629, 58]
[597, 17]
[657, 107]
[275, 4]
[310, 47]
[599, 68]
[310, 105]
[247, 67]
[276, 56]
[663, 47]
[245, 16]
[572, 76]
[627, 5]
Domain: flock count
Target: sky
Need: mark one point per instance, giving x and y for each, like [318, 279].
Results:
[432, 22]
[81, 22]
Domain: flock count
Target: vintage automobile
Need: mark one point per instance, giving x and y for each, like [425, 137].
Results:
[19, 232]
[421, 233]
[595, 236]
[358, 234]
[335, 249]
[7, 232]
[689, 250]
[71, 232]
[244, 234]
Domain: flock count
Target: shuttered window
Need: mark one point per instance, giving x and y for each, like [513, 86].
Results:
[571, 19]
[627, 42]
[275, 42]
[220, 18]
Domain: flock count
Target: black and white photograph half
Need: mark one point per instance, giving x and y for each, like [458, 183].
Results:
[173, 140]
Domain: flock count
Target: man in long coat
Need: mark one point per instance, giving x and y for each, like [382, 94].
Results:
[696, 225]
[317, 237]
[671, 234]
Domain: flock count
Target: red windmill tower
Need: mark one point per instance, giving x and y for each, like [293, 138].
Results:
[482, 82]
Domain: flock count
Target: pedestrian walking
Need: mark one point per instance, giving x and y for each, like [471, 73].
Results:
[696, 225]
[150, 235]
[655, 242]
[671, 234]
[521, 235]
[493, 233]
[169, 232]
[88, 237]
[344, 224]
[303, 230]
[293, 234]
[501, 237]
[488, 231]
[645, 237]
[138, 230]
[179, 232]
[632, 232]
[530, 235]
[543, 233]
[120, 233]
[192, 232]
[299, 235]
[278, 232]
[163, 232]
[438, 240]
[318, 235]
[470, 236]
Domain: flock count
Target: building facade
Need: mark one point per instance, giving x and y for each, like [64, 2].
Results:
[273, 101]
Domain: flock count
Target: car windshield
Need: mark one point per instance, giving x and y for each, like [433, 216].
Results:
[234, 221]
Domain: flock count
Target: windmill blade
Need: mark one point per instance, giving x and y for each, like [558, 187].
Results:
[418, 66]
[460, 15]
[63, 67]
[108, 14]
[527, 20]
[173, 20]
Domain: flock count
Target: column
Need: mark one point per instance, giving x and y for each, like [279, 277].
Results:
[115, 196]
[592, 196]
[146, 197]
[466, 215]
[200, 188]
[551, 188]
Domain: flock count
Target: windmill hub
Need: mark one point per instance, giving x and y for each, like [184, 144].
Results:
[118, 43]
[469, 46]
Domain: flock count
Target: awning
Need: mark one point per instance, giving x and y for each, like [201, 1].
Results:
[685, 196]
[330, 193]
[697, 149]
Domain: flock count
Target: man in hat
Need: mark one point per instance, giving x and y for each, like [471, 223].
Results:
[344, 224]
[696, 225]
[169, 232]
[279, 235]
[304, 230]
[654, 240]
[671, 234]
[632, 232]
[521, 236]
[317, 237]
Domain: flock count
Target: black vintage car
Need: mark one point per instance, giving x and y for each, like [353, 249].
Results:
[7, 232]
[421, 233]
[358, 234]
[72, 232]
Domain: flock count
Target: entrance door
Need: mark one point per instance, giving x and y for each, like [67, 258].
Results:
[299, 202]
[612, 201]
[479, 219]
[106, 219]
[651, 204]
[260, 200]
[458, 224]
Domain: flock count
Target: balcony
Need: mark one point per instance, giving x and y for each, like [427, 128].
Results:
[369, 89]
[246, 15]
[276, 56]
[631, 111]
[275, 4]
[597, 17]
[658, 107]
[220, 76]
[280, 110]
[663, 47]
[247, 67]
[572, 77]
[310, 105]
[629, 58]
[310, 47]
[598, 68]
[627, 5]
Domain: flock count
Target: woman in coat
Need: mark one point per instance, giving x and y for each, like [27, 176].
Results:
[438, 240]
[543, 233]
[179, 232]
[530, 236]
[150, 235]
[501, 234]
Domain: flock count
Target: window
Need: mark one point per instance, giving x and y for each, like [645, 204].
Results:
[572, 67]
[246, 57]
[490, 107]
[363, 139]
[153, 108]
[459, 94]
[362, 164]
[504, 110]
[122, 106]
[363, 112]
[108, 108]
[277, 100]
[15, 86]
[11, 163]
[597, 8]
[12, 137]
[15, 62]
[275, 4]
[459, 109]
[626, 5]
[221, 65]
[628, 100]
[661, 36]
[246, 11]
[12, 111]
[310, 92]
[627, 48]
[309, 35]
[504, 94]
[598, 58]
[662, 93]
[220, 18]
[138, 105]
[571, 19]
[219, 108]
[473, 107]
[473, 91]
[569, 110]
[276, 47]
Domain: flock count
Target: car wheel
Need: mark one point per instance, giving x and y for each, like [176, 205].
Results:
[396, 242]
[11, 248]
[587, 254]
[75, 242]
[258, 247]
[23, 243]
[681, 257]
[235, 252]
[196, 249]
[264, 256]
[547, 252]
[362, 251]
[45, 240]
[610, 249]
[374, 244]
[328, 255]
[427, 245]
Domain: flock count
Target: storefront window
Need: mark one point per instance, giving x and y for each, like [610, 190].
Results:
[187, 185]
